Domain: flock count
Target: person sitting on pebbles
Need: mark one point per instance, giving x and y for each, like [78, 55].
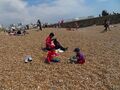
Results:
[52, 56]
[78, 58]
[49, 44]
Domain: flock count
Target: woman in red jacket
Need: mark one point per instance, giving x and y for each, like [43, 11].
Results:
[49, 44]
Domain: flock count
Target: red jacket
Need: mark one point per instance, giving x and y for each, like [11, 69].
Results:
[49, 42]
[51, 55]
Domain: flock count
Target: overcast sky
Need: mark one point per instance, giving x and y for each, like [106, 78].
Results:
[27, 11]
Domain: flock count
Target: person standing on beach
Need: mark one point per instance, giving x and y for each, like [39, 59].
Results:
[39, 25]
[77, 26]
[61, 23]
[107, 25]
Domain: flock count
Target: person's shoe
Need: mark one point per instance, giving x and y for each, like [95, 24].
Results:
[59, 50]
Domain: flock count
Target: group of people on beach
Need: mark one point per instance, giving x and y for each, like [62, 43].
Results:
[16, 30]
[53, 46]
[76, 25]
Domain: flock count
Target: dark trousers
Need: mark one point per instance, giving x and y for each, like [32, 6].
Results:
[40, 28]
[59, 47]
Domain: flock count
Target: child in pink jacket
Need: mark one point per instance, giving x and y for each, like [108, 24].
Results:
[51, 56]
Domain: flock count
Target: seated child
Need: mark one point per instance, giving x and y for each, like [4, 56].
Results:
[52, 56]
[79, 58]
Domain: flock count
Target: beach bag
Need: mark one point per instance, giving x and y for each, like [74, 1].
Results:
[27, 58]
[59, 51]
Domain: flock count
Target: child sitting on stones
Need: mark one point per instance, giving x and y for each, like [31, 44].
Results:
[78, 58]
[52, 56]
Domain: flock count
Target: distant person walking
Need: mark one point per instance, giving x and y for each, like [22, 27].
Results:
[39, 25]
[27, 27]
[61, 23]
[77, 26]
[107, 25]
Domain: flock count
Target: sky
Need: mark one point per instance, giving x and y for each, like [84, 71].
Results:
[51, 11]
